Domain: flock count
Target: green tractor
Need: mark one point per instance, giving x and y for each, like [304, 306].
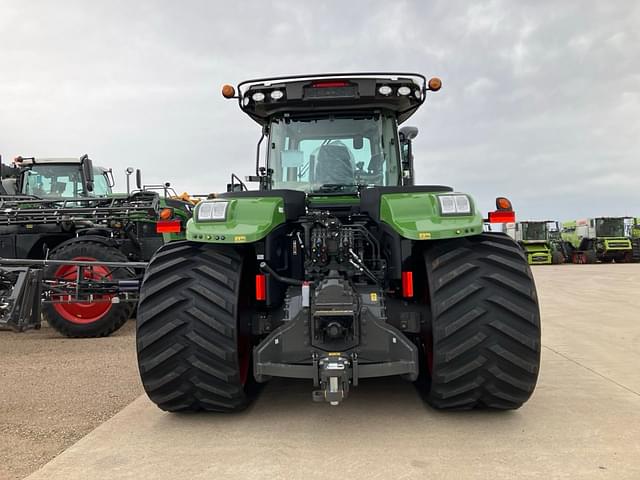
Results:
[337, 268]
[540, 241]
[635, 238]
[597, 239]
[60, 216]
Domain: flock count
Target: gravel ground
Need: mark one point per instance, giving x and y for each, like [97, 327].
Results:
[54, 390]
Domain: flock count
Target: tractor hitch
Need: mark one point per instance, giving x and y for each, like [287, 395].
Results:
[334, 375]
[339, 338]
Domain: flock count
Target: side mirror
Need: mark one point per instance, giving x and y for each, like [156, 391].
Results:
[358, 142]
[87, 172]
[138, 179]
[408, 133]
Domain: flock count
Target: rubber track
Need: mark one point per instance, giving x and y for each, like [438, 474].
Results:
[186, 329]
[114, 319]
[486, 324]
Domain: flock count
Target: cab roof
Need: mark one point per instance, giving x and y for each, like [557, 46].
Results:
[30, 161]
[35, 161]
[401, 93]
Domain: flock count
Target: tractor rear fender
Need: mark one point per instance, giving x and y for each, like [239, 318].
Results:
[247, 217]
[416, 213]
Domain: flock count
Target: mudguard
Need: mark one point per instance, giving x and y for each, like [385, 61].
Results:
[248, 219]
[416, 216]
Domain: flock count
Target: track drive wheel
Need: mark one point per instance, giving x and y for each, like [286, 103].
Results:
[590, 256]
[193, 330]
[483, 349]
[557, 258]
[86, 319]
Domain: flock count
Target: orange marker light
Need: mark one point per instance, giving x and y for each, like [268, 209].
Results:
[166, 213]
[435, 84]
[503, 204]
[228, 91]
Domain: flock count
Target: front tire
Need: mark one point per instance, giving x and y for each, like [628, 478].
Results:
[483, 349]
[193, 334]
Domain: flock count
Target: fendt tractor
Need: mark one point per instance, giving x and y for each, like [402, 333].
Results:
[540, 241]
[597, 239]
[67, 238]
[337, 268]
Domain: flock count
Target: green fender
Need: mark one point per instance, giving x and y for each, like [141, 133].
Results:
[248, 220]
[417, 216]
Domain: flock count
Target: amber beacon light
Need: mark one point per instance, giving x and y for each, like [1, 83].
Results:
[435, 84]
[228, 91]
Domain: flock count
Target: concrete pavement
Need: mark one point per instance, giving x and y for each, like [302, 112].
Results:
[582, 422]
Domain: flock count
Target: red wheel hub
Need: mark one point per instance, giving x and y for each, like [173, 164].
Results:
[83, 312]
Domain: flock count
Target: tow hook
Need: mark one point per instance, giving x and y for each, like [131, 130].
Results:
[333, 375]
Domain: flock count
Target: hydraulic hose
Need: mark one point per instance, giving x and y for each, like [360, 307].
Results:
[289, 281]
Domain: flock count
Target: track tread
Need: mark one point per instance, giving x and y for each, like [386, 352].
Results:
[486, 324]
[187, 337]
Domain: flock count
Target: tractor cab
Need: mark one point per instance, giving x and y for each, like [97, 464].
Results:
[535, 231]
[610, 227]
[49, 178]
[333, 134]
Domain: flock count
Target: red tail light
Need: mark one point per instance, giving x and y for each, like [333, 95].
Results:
[500, 216]
[407, 284]
[168, 226]
[330, 84]
[261, 287]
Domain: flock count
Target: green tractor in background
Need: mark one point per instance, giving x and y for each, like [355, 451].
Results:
[635, 238]
[337, 268]
[63, 228]
[597, 239]
[540, 241]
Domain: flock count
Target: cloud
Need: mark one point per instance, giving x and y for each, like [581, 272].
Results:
[540, 101]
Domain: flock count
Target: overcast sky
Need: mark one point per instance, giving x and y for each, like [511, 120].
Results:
[540, 100]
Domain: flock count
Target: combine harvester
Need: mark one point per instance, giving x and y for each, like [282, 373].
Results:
[540, 241]
[634, 233]
[68, 240]
[337, 268]
[597, 239]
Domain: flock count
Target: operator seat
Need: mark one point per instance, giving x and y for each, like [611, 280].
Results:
[334, 165]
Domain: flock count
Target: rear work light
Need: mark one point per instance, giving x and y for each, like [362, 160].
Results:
[168, 226]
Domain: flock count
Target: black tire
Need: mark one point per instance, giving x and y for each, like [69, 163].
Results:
[74, 320]
[191, 318]
[590, 256]
[484, 344]
[557, 258]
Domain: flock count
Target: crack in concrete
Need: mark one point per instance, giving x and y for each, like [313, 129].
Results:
[593, 371]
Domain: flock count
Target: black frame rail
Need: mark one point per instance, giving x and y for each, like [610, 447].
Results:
[23, 288]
